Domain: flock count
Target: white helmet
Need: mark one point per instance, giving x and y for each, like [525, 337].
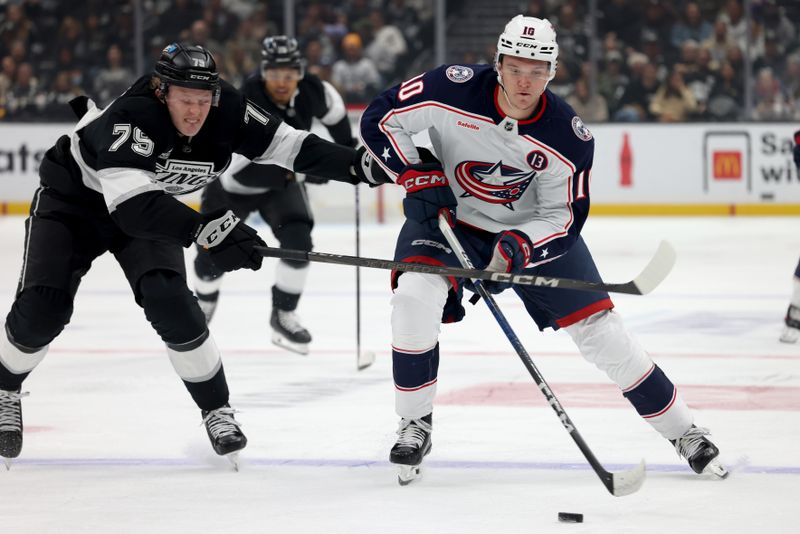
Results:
[530, 38]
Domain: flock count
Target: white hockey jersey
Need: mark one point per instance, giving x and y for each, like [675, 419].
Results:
[531, 175]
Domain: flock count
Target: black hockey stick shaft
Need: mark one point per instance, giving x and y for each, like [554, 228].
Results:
[648, 279]
[358, 275]
[619, 484]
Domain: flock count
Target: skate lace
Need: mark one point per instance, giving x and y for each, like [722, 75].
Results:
[289, 321]
[220, 422]
[412, 432]
[10, 414]
[691, 442]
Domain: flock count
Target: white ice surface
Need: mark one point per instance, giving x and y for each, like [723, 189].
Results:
[113, 443]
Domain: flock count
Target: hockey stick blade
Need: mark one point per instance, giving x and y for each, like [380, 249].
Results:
[652, 275]
[626, 482]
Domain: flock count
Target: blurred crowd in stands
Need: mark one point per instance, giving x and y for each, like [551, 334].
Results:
[657, 60]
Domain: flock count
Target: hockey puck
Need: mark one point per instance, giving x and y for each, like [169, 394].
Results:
[566, 517]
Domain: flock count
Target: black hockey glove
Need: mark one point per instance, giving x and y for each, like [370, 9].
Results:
[796, 151]
[511, 253]
[427, 193]
[229, 241]
[366, 171]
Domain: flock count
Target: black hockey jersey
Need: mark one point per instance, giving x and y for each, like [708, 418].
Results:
[131, 154]
[314, 98]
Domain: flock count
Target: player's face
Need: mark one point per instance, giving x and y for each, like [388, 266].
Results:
[188, 108]
[281, 83]
[524, 80]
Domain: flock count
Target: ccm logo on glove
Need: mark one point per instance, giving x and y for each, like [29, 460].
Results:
[212, 234]
[414, 180]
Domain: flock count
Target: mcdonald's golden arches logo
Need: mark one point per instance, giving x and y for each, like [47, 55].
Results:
[727, 165]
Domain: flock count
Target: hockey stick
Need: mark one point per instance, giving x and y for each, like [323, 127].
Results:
[363, 360]
[618, 484]
[651, 276]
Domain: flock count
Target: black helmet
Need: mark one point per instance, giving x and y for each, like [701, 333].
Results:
[282, 51]
[189, 66]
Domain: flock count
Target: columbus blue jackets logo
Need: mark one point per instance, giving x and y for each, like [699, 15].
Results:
[580, 129]
[459, 73]
[493, 182]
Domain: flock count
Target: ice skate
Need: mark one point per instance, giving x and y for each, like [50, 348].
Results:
[208, 303]
[225, 434]
[10, 425]
[791, 332]
[701, 454]
[287, 332]
[413, 444]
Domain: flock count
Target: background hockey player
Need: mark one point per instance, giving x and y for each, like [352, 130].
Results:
[514, 178]
[109, 186]
[285, 90]
[791, 330]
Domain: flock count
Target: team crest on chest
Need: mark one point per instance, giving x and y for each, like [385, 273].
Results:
[459, 73]
[580, 129]
[494, 183]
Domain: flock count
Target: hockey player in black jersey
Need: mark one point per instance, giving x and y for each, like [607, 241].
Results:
[285, 90]
[109, 186]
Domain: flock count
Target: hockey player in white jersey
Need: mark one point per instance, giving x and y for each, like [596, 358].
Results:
[791, 328]
[512, 166]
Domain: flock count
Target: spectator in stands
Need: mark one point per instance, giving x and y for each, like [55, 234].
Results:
[387, 46]
[774, 18]
[572, 41]
[113, 79]
[770, 104]
[56, 105]
[97, 36]
[792, 82]
[773, 57]
[692, 26]
[635, 101]
[177, 17]
[612, 80]
[16, 26]
[700, 79]
[673, 101]
[657, 21]
[622, 18]
[200, 34]
[590, 108]
[221, 22]
[318, 64]
[719, 42]
[732, 15]
[8, 71]
[726, 101]
[355, 76]
[24, 101]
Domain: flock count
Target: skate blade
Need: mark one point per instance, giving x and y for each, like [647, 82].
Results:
[365, 359]
[7, 462]
[408, 474]
[233, 458]
[297, 348]
[716, 469]
[790, 335]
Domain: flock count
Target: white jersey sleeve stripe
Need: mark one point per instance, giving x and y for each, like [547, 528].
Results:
[120, 183]
[284, 147]
[336, 107]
